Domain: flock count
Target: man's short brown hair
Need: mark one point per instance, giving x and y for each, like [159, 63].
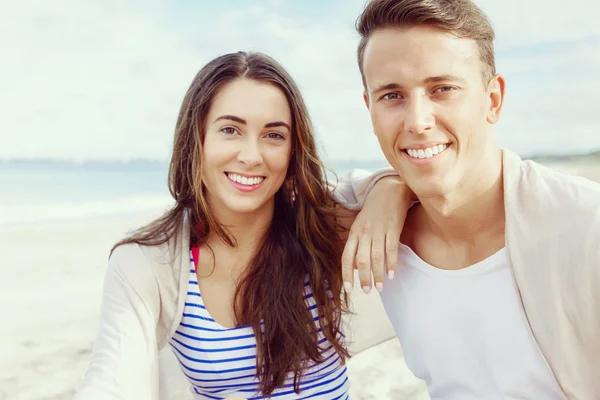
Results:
[461, 18]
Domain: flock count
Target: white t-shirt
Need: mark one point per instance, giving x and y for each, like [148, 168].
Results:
[464, 331]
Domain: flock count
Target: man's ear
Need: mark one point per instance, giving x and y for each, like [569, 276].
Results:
[366, 99]
[496, 90]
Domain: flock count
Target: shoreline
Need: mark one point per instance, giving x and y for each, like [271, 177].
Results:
[50, 292]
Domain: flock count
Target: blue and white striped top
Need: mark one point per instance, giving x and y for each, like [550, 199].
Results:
[221, 362]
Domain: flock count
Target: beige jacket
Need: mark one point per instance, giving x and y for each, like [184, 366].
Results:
[553, 239]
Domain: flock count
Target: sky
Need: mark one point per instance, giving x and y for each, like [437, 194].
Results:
[104, 79]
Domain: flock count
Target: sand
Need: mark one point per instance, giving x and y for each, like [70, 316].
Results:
[50, 287]
[50, 291]
[49, 304]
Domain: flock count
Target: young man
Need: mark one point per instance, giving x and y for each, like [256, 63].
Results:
[497, 288]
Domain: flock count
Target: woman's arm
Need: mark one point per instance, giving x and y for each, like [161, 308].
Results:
[351, 189]
[373, 233]
[124, 359]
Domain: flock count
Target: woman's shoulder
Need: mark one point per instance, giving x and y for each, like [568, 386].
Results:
[136, 259]
[131, 266]
[149, 270]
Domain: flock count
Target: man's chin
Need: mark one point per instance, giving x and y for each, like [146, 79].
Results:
[425, 188]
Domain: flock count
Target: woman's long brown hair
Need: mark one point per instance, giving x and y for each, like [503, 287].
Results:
[301, 243]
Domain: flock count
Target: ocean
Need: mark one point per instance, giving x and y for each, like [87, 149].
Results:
[42, 191]
[48, 191]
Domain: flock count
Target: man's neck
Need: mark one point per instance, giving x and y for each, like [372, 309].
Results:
[475, 208]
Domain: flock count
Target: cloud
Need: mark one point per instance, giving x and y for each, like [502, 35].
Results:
[551, 103]
[90, 79]
[105, 79]
[534, 22]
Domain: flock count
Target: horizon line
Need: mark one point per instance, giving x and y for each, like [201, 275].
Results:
[75, 160]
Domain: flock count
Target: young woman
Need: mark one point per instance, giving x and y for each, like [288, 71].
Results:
[242, 277]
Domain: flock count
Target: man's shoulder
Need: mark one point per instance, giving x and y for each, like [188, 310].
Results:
[559, 187]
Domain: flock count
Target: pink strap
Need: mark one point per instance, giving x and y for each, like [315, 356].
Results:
[195, 256]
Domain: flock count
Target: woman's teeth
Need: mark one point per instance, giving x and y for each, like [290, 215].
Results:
[428, 152]
[245, 180]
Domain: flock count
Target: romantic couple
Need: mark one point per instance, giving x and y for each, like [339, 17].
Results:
[488, 266]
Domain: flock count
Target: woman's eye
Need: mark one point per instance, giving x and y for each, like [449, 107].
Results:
[229, 131]
[275, 135]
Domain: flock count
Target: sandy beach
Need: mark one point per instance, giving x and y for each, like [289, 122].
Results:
[50, 285]
[50, 297]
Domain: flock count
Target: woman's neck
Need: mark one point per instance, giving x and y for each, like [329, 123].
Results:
[246, 229]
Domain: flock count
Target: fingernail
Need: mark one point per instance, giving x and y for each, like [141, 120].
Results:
[391, 274]
[348, 287]
[379, 286]
[366, 289]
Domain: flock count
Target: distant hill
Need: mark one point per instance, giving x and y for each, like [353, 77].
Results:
[593, 157]
[337, 165]
[22, 164]
[68, 162]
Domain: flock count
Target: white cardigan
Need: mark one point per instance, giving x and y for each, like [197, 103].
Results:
[142, 303]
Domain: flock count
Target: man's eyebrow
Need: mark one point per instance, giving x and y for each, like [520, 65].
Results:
[387, 86]
[426, 81]
[443, 78]
[231, 118]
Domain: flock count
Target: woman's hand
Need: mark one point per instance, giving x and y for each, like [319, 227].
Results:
[374, 236]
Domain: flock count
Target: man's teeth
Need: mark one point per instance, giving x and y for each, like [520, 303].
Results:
[428, 152]
[245, 180]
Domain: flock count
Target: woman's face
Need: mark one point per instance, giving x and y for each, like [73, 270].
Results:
[247, 146]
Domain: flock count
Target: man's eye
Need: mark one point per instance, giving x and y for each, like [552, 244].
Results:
[391, 96]
[445, 89]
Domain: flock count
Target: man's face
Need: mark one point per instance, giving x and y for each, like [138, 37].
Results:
[429, 106]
